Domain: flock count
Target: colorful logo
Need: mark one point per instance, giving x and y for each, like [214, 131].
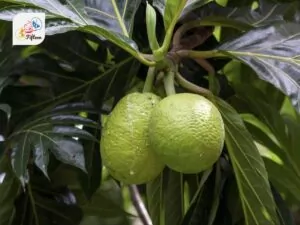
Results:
[27, 31]
[29, 28]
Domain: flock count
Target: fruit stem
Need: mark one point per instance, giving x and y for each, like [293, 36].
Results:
[149, 80]
[169, 83]
[192, 87]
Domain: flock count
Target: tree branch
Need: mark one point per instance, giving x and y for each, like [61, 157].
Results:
[139, 205]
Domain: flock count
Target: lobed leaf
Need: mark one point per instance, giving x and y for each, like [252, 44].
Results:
[273, 53]
[116, 16]
[266, 14]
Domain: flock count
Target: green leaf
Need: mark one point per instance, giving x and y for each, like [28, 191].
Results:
[53, 131]
[71, 131]
[173, 197]
[191, 6]
[74, 11]
[41, 154]
[74, 107]
[106, 202]
[235, 71]
[171, 11]
[115, 82]
[283, 210]
[151, 27]
[198, 211]
[250, 172]
[154, 193]
[7, 109]
[91, 180]
[116, 16]
[70, 152]
[284, 179]
[9, 187]
[58, 26]
[20, 157]
[266, 14]
[45, 205]
[73, 119]
[279, 134]
[265, 48]
[220, 180]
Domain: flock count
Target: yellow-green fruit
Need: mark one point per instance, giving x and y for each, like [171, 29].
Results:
[125, 140]
[187, 132]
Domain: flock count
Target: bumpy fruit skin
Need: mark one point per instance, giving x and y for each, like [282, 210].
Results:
[125, 140]
[187, 132]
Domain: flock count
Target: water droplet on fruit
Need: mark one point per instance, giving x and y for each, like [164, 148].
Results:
[131, 172]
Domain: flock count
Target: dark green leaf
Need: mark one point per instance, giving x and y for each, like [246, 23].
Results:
[220, 180]
[9, 186]
[90, 182]
[235, 71]
[116, 16]
[20, 157]
[154, 191]
[7, 109]
[201, 204]
[70, 152]
[284, 179]
[106, 202]
[173, 197]
[74, 11]
[267, 13]
[52, 208]
[114, 82]
[171, 10]
[74, 107]
[73, 119]
[41, 154]
[233, 202]
[58, 26]
[283, 211]
[71, 131]
[280, 136]
[75, 51]
[251, 175]
[273, 53]
[192, 5]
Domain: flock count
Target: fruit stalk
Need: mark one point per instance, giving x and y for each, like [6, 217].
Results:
[149, 80]
[169, 83]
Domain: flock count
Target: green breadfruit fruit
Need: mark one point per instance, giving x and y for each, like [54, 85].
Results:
[125, 144]
[187, 132]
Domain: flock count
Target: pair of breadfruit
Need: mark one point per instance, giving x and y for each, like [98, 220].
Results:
[145, 133]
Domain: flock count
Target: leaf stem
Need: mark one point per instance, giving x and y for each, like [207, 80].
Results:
[149, 80]
[200, 54]
[192, 87]
[162, 51]
[210, 21]
[169, 83]
[142, 59]
[122, 25]
[139, 205]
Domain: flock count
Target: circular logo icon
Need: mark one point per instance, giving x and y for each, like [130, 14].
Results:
[36, 23]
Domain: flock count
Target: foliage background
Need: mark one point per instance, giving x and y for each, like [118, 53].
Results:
[53, 98]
